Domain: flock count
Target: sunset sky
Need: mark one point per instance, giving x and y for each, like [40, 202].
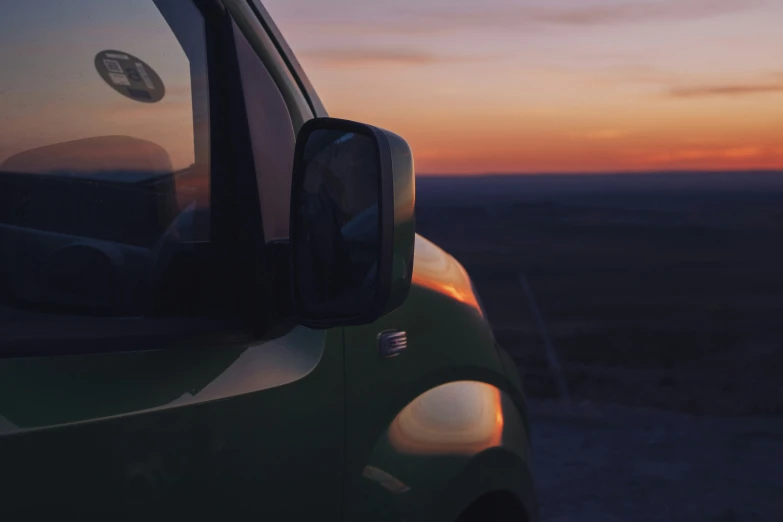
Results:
[508, 86]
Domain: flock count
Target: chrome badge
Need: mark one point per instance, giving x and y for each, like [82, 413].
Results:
[392, 342]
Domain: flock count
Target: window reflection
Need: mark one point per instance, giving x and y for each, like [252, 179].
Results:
[104, 174]
[53, 97]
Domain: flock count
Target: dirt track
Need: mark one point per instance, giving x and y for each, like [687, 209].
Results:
[615, 463]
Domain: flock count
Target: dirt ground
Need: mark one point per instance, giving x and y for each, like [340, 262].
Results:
[663, 295]
[617, 463]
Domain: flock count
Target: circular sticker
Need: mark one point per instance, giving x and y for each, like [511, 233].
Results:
[129, 76]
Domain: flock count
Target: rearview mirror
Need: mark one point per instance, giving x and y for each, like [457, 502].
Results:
[352, 223]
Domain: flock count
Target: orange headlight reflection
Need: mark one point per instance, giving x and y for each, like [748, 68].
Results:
[436, 271]
[461, 418]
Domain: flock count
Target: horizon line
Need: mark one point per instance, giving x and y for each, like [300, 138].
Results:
[777, 171]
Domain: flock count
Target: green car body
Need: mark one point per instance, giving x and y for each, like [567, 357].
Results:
[303, 424]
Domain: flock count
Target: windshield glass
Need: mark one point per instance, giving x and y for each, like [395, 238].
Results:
[104, 151]
[52, 94]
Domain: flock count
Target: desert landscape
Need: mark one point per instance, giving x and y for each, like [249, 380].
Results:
[662, 295]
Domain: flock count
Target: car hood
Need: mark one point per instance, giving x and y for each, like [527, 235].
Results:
[438, 271]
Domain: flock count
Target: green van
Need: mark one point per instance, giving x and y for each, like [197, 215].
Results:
[213, 303]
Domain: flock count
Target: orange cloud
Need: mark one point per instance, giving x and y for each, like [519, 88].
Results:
[375, 57]
[726, 90]
[749, 157]
[600, 134]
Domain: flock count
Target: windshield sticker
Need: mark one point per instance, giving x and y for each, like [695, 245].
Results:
[113, 66]
[119, 79]
[129, 76]
[144, 76]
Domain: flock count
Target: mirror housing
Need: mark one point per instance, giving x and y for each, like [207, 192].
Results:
[352, 228]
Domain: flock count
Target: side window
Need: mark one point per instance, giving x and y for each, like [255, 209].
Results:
[273, 139]
[104, 153]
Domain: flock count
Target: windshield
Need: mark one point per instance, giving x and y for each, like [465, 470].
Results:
[104, 150]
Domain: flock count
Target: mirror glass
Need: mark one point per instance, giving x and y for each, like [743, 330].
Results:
[336, 204]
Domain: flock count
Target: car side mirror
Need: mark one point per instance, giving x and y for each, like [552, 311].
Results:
[352, 223]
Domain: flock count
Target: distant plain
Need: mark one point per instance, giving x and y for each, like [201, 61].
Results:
[660, 290]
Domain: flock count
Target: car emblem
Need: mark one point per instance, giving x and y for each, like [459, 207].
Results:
[392, 342]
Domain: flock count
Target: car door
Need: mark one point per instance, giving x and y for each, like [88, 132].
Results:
[427, 402]
[147, 366]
